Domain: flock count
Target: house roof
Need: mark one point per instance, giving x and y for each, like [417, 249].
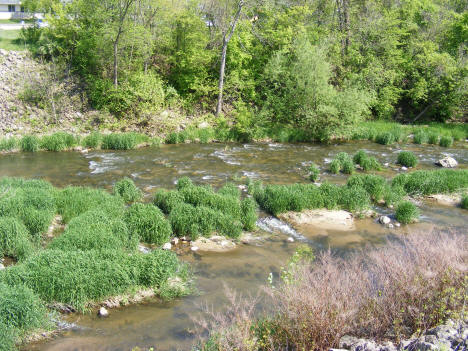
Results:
[10, 2]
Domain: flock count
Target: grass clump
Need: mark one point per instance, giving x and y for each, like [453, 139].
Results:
[374, 185]
[95, 230]
[93, 140]
[249, 213]
[464, 202]
[148, 223]
[407, 159]
[78, 278]
[433, 138]
[124, 141]
[58, 141]
[343, 163]
[432, 182]
[127, 190]
[73, 201]
[420, 137]
[407, 212]
[8, 144]
[167, 200]
[20, 310]
[29, 143]
[385, 138]
[14, 239]
[314, 172]
[366, 162]
[446, 141]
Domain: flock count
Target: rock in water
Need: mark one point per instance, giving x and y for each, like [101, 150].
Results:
[103, 312]
[447, 162]
[167, 246]
[290, 240]
[384, 220]
[2, 266]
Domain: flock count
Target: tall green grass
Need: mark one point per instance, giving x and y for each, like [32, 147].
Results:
[148, 223]
[124, 141]
[432, 182]
[58, 141]
[407, 159]
[81, 277]
[342, 163]
[29, 143]
[407, 212]
[92, 140]
[15, 240]
[8, 144]
[127, 190]
[366, 162]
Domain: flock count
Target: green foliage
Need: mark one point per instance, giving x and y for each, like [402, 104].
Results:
[127, 190]
[148, 223]
[29, 143]
[446, 141]
[14, 239]
[172, 138]
[95, 230]
[464, 202]
[8, 144]
[92, 140]
[348, 167]
[432, 182]
[343, 163]
[433, 138]
[80, 277]
[386, 138]
[58, 141]
[314, 172]
[124, 141]
[8, 336]
[249, 213]
[374, 185]
[393, 195]
[420, 137]
[167, 200]
[20, 308]
[335, 166]
[406, 212]
[73, 201]
[407, 159]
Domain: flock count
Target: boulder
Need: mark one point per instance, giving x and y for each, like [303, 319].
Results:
[384, 220]
[290, 239]
[167, 246]
[447, 162]
[103, 312]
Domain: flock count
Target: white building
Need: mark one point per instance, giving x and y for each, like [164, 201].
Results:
[11, 9]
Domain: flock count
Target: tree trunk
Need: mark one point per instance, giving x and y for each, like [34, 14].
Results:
[116, 66]
[226, 39]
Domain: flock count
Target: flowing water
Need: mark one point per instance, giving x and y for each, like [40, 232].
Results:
[169, 325]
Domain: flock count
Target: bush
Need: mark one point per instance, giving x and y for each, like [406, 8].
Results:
[407, 159]
[92, 140]
[229, 189]
[374, 185]
[20, 308]
[127, 190]
[125, 141]
[58, 141]
[95, 230]
[172, 138]
[73, 201]
[359, 157]
[314, 172]
[393, 194]
[14, 239]
[347, 167]
[80, 277]
[148, 223]
[432, 182]
[335, 166]
[420, 137]
[446, 141]
[464, 202]
[367, 163]
[29, 143]
[354, 199]
[406, 212]
[386, 138]
[342, 162]
[433, 138]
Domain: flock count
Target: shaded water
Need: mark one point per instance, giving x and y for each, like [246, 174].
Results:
[167, 325]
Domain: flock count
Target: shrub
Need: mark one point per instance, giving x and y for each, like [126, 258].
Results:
[446, 141]
[172, 138]
[393, 194]
[148, 223]
[229, 189]
[29, 143]
[367, 163]
[335, 166]
[360, 156]
[433, 138]
[184, 182]
[167, 200]
[464, 202]
[347, 166]
[249, 213]
[432, 182]
[354, 199]
[20, 308]
[58, 141]
[330, 194]
[407, 159]
[420, 137]
[14, 238]
[80, 277]
[386, 138]
[406, 212]
[127, 190]
[342, 162]
[362, 294]
[8, 144]
[92, 140]
[73, 201]
[95, 230]
[125, 141]
[314, 172]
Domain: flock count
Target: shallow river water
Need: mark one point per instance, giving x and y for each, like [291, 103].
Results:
[168, 325]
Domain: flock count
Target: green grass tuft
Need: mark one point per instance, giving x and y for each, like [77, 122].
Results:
[29, 143]
[432, 182]
[385, 138]
[14, 239]
[148, 223]
[407, 159]
[433, 138]
[124, 141]
[464, 202]
[127, 190]
[407, 212]
[8, 144]
[92, 140]
[446, 141]
[314, 172]
[420, 137]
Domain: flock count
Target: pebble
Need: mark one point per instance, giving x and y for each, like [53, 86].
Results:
[194, 248]
[404, 168]
[290, 240]
[175, 241]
